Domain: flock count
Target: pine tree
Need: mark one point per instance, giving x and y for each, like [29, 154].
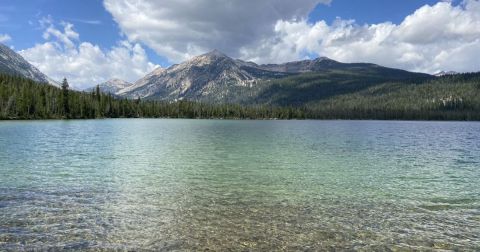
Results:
[65, 105]
[97, 91]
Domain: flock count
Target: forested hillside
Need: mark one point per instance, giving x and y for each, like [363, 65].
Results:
[309, 87]
[339, 95]
[22, 98]
[455, 97]
[451, 97]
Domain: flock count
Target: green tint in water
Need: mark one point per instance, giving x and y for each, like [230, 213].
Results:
[241, 185]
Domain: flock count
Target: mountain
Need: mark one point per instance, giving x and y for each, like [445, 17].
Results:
[327, 82]
[215, 77]
[14, 64]
[444, 73]
[212, 76]
[304, 66]
[111, 86]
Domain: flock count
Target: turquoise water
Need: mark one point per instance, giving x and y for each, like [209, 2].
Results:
[239, 185]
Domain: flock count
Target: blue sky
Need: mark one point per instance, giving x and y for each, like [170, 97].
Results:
[19, 19]
[22, 20]
[368, 11]
[140, 37]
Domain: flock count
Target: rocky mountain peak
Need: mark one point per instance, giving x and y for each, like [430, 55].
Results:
[215, 77]
[112, 86]
[216, 53]
[320, 59]
[209, 58]
[117, 82]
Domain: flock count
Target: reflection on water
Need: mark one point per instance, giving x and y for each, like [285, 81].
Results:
[241, 185]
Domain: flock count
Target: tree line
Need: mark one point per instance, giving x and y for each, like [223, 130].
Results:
[21, 98]
[446, 98]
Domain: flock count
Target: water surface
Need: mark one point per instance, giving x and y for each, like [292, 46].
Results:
[241, 185]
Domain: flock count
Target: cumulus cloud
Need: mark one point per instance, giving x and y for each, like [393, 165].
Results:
[433, 38]
[5, 38]
[180, 29]
[443, 36]
[85, 64]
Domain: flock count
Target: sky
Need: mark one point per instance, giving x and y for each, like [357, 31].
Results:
[91, 41]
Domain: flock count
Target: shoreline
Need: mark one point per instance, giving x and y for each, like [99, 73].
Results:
[237, 119]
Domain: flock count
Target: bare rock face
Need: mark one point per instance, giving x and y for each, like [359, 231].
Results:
[14, 64]
[215, 77]
[112, 86]
[210, 76]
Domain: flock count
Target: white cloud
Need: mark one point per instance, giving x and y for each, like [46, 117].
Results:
[5, 38]
[433, 38]
[85, 64]
[180, 29]
[443, 36]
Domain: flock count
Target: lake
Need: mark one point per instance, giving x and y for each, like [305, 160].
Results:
[157, 184]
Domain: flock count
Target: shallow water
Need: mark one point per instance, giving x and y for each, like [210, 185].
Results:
[241, 185]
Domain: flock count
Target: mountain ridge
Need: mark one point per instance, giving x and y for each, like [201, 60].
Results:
[215, 77]
[445, 73]
[202, 75]
[14, 64]
[112, 86]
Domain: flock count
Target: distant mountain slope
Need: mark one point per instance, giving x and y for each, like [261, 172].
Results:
[212, 76]
[303, 66]
[111, 86]
[215, 77]
[14, 64]
[322, 84]
[443, 73]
